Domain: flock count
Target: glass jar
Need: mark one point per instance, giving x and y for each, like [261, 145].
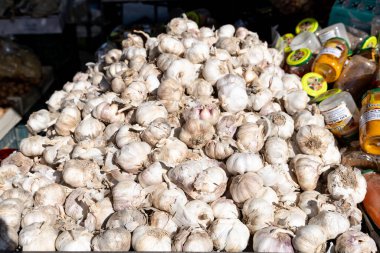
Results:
[330, 61]
[371, 201]
[308, 24]
[306, 40]
[341, 115]
[299, 62]
[370, 122]
[333, 31]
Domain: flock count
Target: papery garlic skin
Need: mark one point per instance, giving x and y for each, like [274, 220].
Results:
[171, 152]
[214, 69]
[310, 202]
[74, 240]
[192, 240]
[68, 120]
[128, 218]
[225, 209]
[261, 98]
[295, 101]
[116, 239]
[232, 93]
[88, 128]
[156, 131]
[310, 238]
[282, 125]
[168, 200]
[348, 183]
[50, 195]
[132, 156]
[307, 169]
[146, 238]
[196, 133]
[355, 242]
[33, 146]
[250, 137]
[149, 111]
[152, 175]
[230, 235]
[164, 220]
[240, 163]
[39, 121]
[45, 214]
[276, 150]
[272, 239]
[290, 218]
[10, 213]
[245, 186]
[127, 194]
[38, 237]
[257, 214]
[333, 223]
[314, 140]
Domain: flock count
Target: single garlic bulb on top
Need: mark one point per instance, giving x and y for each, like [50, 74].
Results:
[147, 238]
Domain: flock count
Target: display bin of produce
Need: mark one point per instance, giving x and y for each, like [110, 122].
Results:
[182, 144]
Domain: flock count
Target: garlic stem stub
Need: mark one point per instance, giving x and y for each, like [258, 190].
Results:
[195, 140]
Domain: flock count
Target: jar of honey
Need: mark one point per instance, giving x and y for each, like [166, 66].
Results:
[299, 62]
[330, 61]
[369, 130]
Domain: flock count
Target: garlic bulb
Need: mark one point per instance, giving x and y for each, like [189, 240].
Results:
[240, 163]
[10, 213]
[171, 152]
[108, 113]
[245, 186]
[152, 175]
[135, 93]
[157, 130]
[305, 117]
[198, 52]
[219, 149]
[232, 93]
[125, 135]
[74, 240]
[88, 128]
[129, 219]
[307, 169]
[226, 31]
[164, 61]
[230, 235]
[227, 125]
[56, 99]
[170, 45]
[33, 146]
[214, 69]
[22, 162]
[50, 195]
[170, 93]
[198, 212]
[181, 70]
[257, 214]
[314, 140]
[132, 52]
[67, 121]
[310, 238]
[290, 217]
[333, 223]
[116, 239]
[113, 55]
[168, 199]
[99, 213]
[44, 214]
[149, 111]
[310, 202]
[272, 239]
[225, 209]
[206, 183]
[250, 137]
[164, 220]
[77, 204]
[269, 108]
[268, 194]
[276, 150]
[146, 238]
[38, 236]
[59, 152]
[17, 193]
[132, 156]
[196, 133]
[127, 194]
[82, 173]
[295, 101]
[355, 242]
[282, 125]
[332, 155]
[261, 98]
[348, 183]
[40, 120]
[192, 240]
[200, 88]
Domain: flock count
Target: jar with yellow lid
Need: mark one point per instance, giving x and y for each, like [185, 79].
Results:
[309, 25]
[314, 84]
[299, 62]
[330, 61]
[369, 131]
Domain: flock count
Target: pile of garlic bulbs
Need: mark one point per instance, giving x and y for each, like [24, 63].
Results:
[195, 140]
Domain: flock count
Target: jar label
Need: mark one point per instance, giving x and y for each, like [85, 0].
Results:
[340, 120]
[369, 116]
[332, 51]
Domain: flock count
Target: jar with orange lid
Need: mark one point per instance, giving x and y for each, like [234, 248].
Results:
[369, 130]
[330, 61]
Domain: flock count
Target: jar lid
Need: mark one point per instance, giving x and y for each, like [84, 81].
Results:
[369, 42]
[287, 38]
[325, 95]
[307, 24]
[314, 84]
[299, 57]
[370, 91]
